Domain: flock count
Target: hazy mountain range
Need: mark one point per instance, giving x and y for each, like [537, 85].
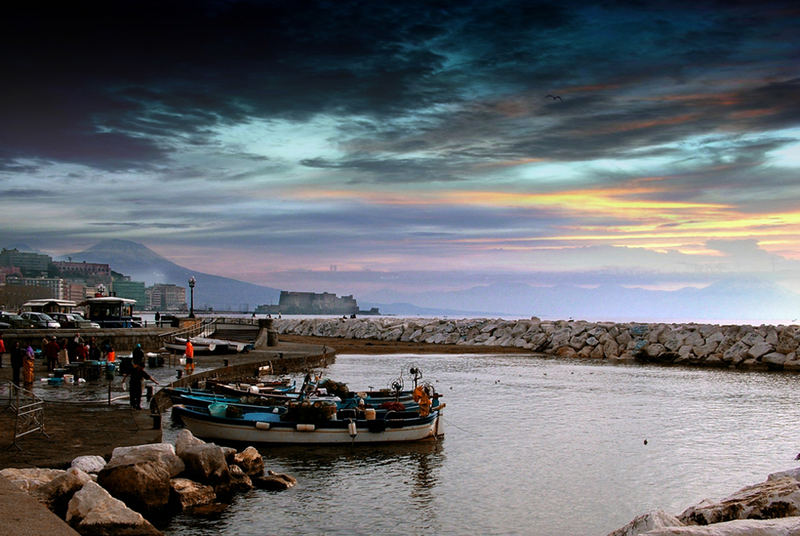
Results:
[143, 264]
[728, 300]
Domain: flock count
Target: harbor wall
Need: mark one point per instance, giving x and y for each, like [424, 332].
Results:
[764, 347]
[122, 339]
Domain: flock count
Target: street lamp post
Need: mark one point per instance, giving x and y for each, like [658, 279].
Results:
[192, 282]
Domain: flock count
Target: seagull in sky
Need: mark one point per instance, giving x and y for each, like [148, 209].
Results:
[555, 97]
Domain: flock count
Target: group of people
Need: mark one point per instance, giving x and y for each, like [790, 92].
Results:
[60, 353]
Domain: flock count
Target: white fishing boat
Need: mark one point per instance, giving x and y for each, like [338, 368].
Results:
[328, 426]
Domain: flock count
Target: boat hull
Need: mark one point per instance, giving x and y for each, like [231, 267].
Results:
[331, 433]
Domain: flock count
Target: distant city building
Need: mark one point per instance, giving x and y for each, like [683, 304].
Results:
[13, 296]
[8, 270]
[28, 263]
[77, 292]
[309, 303]
[164, 297]
[125, 288]
[53, 284]
[92, 271]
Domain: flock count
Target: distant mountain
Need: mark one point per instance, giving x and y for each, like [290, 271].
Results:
[734, 300]
[143, 264]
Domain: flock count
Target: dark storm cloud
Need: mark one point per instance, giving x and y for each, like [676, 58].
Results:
[120, 85]
[19, 193]
[399, 170]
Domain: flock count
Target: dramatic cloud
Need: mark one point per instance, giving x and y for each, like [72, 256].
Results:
[502, 137]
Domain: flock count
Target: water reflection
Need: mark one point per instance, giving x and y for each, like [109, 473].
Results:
[533, 446]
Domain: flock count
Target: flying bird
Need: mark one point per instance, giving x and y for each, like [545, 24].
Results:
[555, 97]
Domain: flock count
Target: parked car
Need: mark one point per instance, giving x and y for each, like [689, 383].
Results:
[40, 320]
[15, 321]
[74, 320]
[5, 325]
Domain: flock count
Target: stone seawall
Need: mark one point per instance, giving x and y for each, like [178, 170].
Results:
[735, 346]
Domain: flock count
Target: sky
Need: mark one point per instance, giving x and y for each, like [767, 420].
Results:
[355, 146]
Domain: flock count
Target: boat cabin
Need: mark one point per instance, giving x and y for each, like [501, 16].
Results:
[49, 305]
[111, 312]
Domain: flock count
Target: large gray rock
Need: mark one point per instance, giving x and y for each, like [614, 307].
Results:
[159, 453]
[185, 493]
[790, 473]
[206, 463]
[250, 461]
[30, 479]
[651, 520]
[94, 512]
[186, 439]
[143, 486]
[57, 493]
[89, 464]
[274, 481]
[788, 526]
[240, 481]
[775, 498]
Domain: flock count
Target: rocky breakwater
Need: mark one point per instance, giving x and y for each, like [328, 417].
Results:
[770, 508]
[140, 486]
[737, 346]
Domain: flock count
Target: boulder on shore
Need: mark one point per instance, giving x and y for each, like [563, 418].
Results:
[767, 500]
[29, 479]
[652, 520]
[187, 493]
[144, 486]
[89, 464]
[94, 512]
[250, 461]
[57, 493]
[786, 526]
[274, 481]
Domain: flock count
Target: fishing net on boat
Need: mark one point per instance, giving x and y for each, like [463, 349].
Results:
[334, 388]
[233, 412]
[309, 413]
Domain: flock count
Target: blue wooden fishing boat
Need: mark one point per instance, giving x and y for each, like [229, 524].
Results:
[311, 424]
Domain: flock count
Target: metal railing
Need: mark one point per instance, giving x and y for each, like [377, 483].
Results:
[201, 329]
[29, 412]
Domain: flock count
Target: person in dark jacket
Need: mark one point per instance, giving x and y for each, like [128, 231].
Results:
[138, 355]
[138, 375]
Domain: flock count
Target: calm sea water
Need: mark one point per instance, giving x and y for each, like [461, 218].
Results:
[532, 446]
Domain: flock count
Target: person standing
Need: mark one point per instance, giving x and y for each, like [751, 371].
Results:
[2, 351]
[63, 355]
[51, 350]
[94, 350]
[138, 354]
[28, 368]
[138, 375]
[189, 353]
[17, 357]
